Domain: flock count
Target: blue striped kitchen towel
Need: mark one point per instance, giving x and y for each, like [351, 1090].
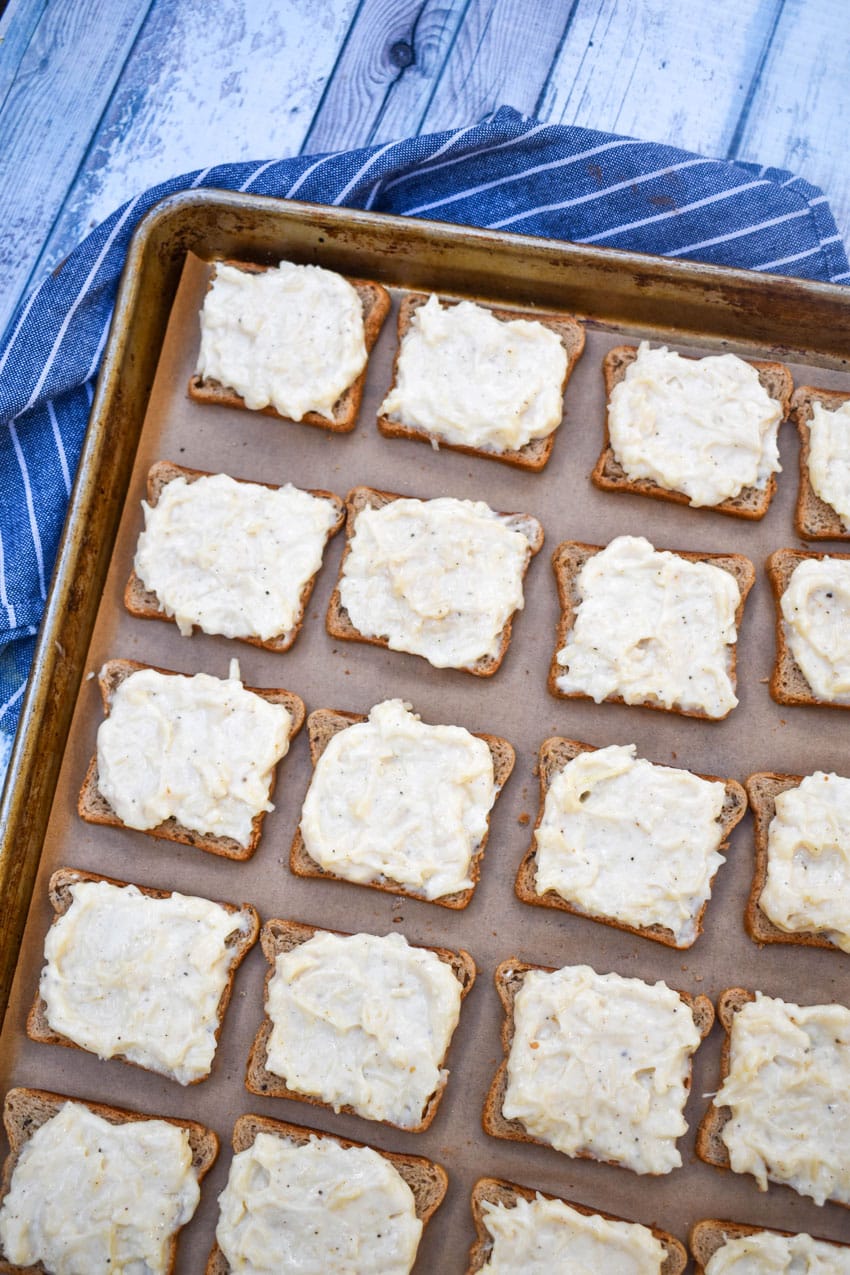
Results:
[507, 172]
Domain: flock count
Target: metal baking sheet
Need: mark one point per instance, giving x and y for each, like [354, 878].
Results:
[698, 309]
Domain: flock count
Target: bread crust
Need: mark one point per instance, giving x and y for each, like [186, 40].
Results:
[535, 454]
[710, 1234]
[26, 1110]
[322, 726]
[508, 978]
[375, 301]
[501, 1191]
[59, 890]
[567, 561]
[427, 1180]
[279, 936]
[94, 808]
[608, 474]
[814, 519]
[338, 622]
[555, 754]
[144, 604]
[788, 683]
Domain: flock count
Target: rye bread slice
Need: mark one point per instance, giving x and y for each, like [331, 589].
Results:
[814, 519]
[94, 808]
[788, 683]
[144, 603]
[567, 561]
[427, 1180]
[322, 725]
[26, 1110]
[751, 502]
[338, 621]
[279, 936]
[554, 756]
[508, 978]
[500, 1191]
[375, 301]
[710, 1234]
[534, 454]
[59, 891]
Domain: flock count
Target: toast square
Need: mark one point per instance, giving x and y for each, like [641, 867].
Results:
[711, 1234]
[535, 454]
[814, 518]
[788, 683]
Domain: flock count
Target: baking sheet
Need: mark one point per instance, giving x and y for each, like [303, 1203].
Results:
[758, 735]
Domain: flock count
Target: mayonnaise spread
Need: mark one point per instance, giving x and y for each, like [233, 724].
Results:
[652, 626]
[232, 557]
[599, 1064]
[290, 338]
[808, 859]
[363, 1021]
[544, 1237]
[766, 1253]
[621, 837]
[129, 974]
[706, 427]
[438, 578]
[87, 1195]
[816, 610]
[394, 799]
[788, 1088]
[316, 1208]
[199, 749]
[466, 377]
[829, 457]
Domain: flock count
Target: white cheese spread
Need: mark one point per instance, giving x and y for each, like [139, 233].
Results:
[621, 837]
[652, 627]
[199, 749]
[706, 427]
[232, 557]
[466, 377]
[543, 1237]
[87, 1195]
[808, 859]
[392, 799]
[829, 457]
[766, 1253]
[788, 1088]
[290, 338]
[138, 976]
[816, 611]
[599, 1065]
[438, 578]
[316, 1208]
[364, 1022]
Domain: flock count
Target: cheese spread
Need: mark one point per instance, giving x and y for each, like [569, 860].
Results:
[138, 976]
[766, 1253]
[395, 800]
[540, 1236]
[788, 1088]
[290, 338]
[466, 377]
[316, 1208]
[829, 457]
[808, 859]
[199, 749]
[232, 557]
[87, 1195]
[599, 1065]
[438, 578]
[364, 1022]
[816, 611]
[621, 837]
[706, 427]
[652, 627]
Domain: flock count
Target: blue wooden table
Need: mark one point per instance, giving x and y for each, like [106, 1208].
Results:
[102, 98]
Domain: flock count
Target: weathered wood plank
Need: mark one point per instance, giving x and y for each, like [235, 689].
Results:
[17, 24]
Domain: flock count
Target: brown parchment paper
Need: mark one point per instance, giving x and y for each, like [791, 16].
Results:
[758, 735]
